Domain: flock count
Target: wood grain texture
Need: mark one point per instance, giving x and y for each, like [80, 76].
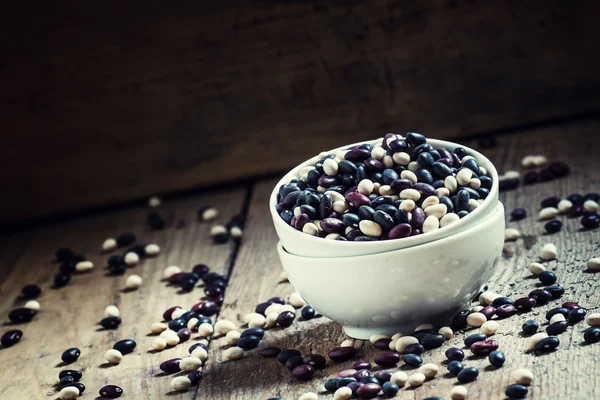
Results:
[256, 378]
[69, 316]
[104, 103]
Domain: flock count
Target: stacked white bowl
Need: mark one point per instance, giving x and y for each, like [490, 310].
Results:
[394, 285]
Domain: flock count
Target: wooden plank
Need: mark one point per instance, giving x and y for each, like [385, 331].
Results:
[69, 316]
[171, 99]
[256, 378]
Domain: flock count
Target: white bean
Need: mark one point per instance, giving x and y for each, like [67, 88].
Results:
[464, 176]
[424, 326]
[375, 337]
[399, 378]
[446, 331]
[593, 264]
[472, 205]
[178, 312]
[556, 318]
[159, 343]
[310, 229]
[489, 328]
[68, 393]
[593, 319]
[335, 196]
[205, 329]
[404, 341]
[476, 319]
[181, 383]
[430, 201]
[406, 174]
[547, 213]
[171, 270]
[511, 234]
[522, 376]
[296, 300]
[474, 183]
[156, 327]
[330, 167]
[590, 206]
[309, 396]
[152, 249]
[109, 244]
[232, 337]
[343, 393]
[413, 166]
[223, 326]
[365, 187]
[370, 228]
[113, 356]
[536, 338]
[189, 364]
[257, 322]
[437, 210]
[401, 158]
[548, 252]
[431, 223]
[386, 190]
[233, 353]
[449, 219]
[451, 184]
[416, 379]
[133, 282]
[33, 305]
[439, 192]
[378, 153]
[407, 205]
[430, 370]
[271, 320]
[536, 268]
[200, 353]
[564, 205]
[84, 266]
[131, 258]
[458, 393]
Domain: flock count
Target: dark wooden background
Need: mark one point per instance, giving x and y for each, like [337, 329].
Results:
[105, 102]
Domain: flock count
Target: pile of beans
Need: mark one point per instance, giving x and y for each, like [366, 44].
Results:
[538, 170]
[395, 188]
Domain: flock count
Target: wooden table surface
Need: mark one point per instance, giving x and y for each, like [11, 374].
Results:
[69, 316]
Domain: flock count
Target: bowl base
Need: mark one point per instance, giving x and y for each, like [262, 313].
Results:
[439, 320]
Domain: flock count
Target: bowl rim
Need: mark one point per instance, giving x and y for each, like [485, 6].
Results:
[407, 241]
[457, 236]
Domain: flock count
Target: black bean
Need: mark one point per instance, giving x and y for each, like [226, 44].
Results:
[400, 184]
[258, 332]
[70, 355]
[592, 196]
[448, 203]
[414, 348]
[381, 200]
[547, 344]
[555, 290]
[498, 301]
[388, 176]
[331, 385]
[312, 178]
[110, 392]
[67, 267]
[389, 209]
[155, 221]
[366, 213]
[308, 313]
[541, 296]
[530, 327]
[483, 193]
[270, 352]
[467, 375]
[460, 320]
[424, 189]
[21, 314]
[454, 353]
[476, 337]
[287, 216]
[365, 239]
[341, 354]
[461, 202]
[576, 198]
[424, 175]
[592, 335]
[31, 291]
[413, 360]
[516, 391]
[440, 170]
[64, 254]
[248, 342]
[432, 340]
[486, 182]
[65, 380]
[69, 372]
[384, 220]
[62, 280]
[557, 328]
[576, 315]
[590, 221]
[398, 145]
[497, 358]
[315, 360]
[110, 322]
[454, 367]
[170, 366]
[558, 310]
[12, 337]
[530, 177]
[472, 165]
[125, 346]
[325, 206]
[507, 184]
[284, 355]
[550, 202]
[125, 239]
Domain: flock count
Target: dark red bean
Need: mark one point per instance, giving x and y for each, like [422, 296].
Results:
[418, 217]
[315, 360]
[332, 225]
[361, 373]
[387, 359]
[557, 328]
[110, 392]
[200, 269]
[270, 352]
[285, 319]
[62, 280]
[10, 338]
[347, 373]
[506, 310]
[341, 354]
[454, 353]
[400, 231]
[590, 221]
[184, 334]
[383, 376]
[484, 347]
[301, 220]
[167, 314]
[303, 372]
[368, 391]
[357, 155]
[361, 365]
[208, 308]
[559, 168]
[414, 348]
[488, 311]
[170, 366]
[570, 305]
[399, 185]
[525, 303]
[575, 211]
[382, 344]
[356, 199]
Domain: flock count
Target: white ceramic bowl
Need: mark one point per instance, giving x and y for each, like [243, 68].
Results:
[299, 243]
[397, 290]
